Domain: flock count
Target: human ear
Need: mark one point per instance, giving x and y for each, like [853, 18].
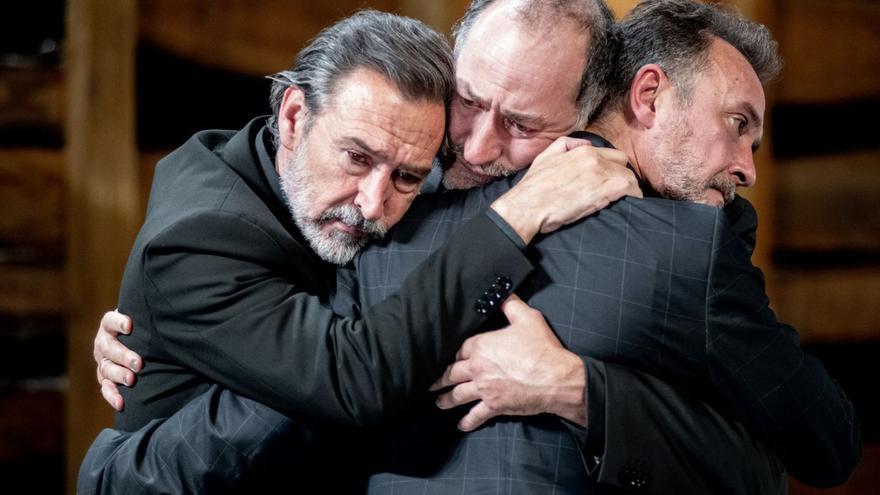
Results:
[644, 93]
[291, 117]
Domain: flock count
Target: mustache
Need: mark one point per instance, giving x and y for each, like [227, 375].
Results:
[494, 169]
[725, 185]
[351, 216]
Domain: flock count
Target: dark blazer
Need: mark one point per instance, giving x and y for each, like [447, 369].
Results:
[666, 287]
[222, 289]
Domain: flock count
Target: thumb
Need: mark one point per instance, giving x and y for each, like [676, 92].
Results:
[513, 308]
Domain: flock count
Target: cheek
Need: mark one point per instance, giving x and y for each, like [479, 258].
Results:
[333, 188]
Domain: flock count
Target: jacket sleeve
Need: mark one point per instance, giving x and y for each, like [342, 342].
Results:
[667, 440]
[757, 366]
[225, 306]
[645, 433]
[215, 444]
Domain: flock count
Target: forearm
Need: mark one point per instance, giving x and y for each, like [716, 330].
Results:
[312, 362]
[209, 446]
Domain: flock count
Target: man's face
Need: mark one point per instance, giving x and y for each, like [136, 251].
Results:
[705, 150]
[351, 172]
[516, 93]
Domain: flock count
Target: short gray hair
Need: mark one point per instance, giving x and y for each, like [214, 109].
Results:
[592, 16]
[676, 34]
[414, 57]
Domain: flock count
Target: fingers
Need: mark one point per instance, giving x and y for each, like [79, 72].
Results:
[467, 348]
[111, 395]
[475, 418]
[454, 374]
[460, 394]
[115, 323]
[513, 308]
[108, 370]
[572, 143]
[108, 347]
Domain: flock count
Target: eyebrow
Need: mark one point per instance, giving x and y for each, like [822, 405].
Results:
[531, 120]
[408, 167]
[753, 115]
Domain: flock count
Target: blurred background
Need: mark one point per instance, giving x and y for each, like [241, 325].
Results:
[93, 92]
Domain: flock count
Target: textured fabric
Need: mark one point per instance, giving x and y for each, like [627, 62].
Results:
[222, 289]
[664, 286]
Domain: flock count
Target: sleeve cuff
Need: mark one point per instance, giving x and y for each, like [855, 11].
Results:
[507, 229]
[591, 440]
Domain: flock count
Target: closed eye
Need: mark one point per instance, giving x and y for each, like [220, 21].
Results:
[359, 158]
[406, 182]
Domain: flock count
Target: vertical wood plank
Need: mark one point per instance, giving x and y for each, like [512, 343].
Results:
[439, 15]
[103, 195]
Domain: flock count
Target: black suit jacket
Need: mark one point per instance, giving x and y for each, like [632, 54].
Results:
[664, 286]
[223, 289]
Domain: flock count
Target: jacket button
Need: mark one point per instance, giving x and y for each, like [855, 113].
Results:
[481, 307]
[633, 478]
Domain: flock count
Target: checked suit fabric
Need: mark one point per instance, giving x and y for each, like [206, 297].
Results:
[665, 286]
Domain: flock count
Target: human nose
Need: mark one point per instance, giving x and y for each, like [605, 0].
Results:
[483, 144]
[743, 168]
[373, 191]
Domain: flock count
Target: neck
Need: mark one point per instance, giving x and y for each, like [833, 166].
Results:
[620, 132]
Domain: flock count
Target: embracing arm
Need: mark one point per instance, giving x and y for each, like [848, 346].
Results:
[755, 362]
[640, 431]
[248, 325]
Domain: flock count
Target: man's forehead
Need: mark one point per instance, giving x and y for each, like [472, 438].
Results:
[737, 74]
[525, 79]
[368, 112]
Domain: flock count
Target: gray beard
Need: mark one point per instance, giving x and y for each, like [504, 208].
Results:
[335, 246]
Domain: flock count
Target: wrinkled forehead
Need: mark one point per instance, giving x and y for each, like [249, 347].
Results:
[534, 71]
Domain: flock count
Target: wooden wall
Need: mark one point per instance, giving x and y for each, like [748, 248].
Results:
[73, 197]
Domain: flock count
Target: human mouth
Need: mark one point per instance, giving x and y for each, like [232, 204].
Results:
[352, 230]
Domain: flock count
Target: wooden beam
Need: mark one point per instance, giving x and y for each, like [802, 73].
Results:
[255, 37]
[103, 194]
[829, 203]
[31, 97]
[621, 7]
[32, 199]
[831, 50]
[830, 305]
[439, 15]
[28, 290]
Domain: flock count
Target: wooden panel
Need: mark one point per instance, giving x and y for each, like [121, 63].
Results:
[103, 194]
[27, 290]
[31, 97]
[32, 424]
[829, 203]
[830, 305]
[256, 37]
[32, 198]
[831, 49]
[621, 7]
[439, 15]
[865, 479]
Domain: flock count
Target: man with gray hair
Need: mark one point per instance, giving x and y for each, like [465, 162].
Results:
[663, 286]
[228, 278]
[500, 115]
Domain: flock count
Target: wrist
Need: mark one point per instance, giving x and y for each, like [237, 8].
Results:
[524, 224]
[568, 397]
